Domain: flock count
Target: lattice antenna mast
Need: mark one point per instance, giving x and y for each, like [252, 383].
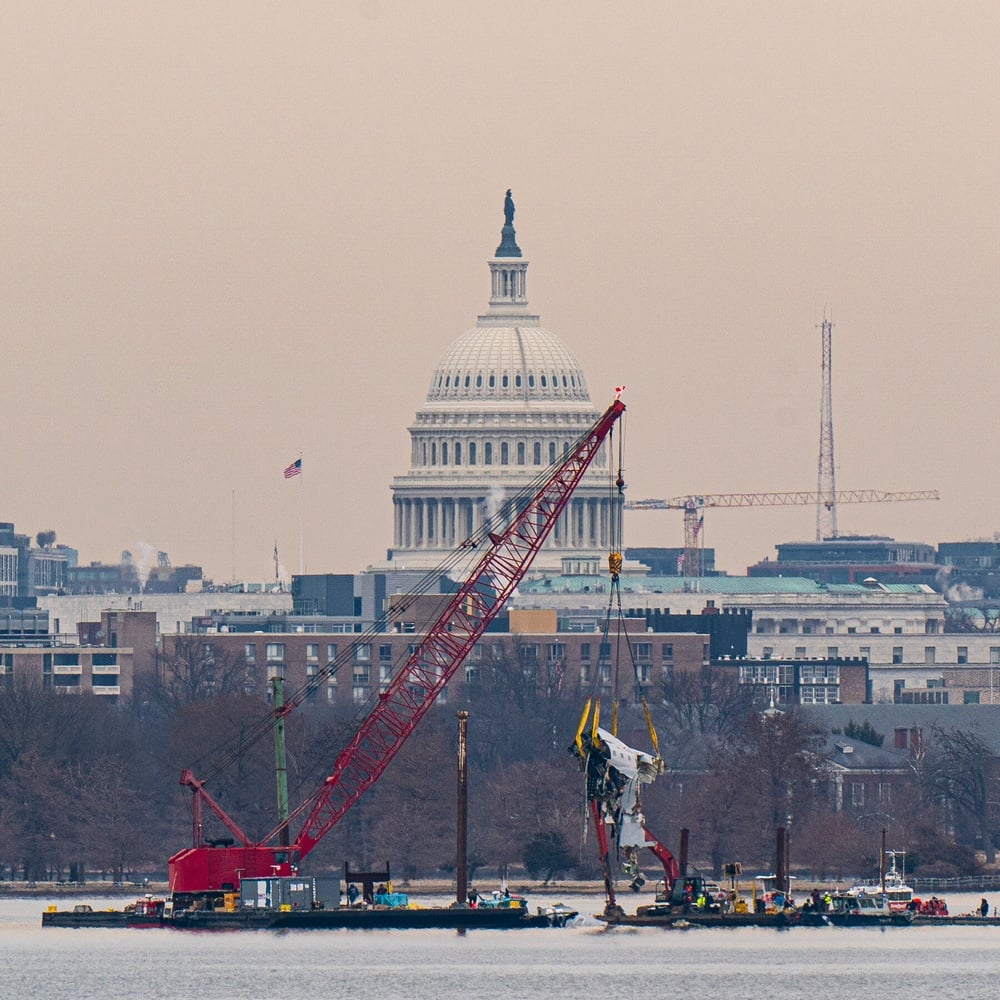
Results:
[826, 508]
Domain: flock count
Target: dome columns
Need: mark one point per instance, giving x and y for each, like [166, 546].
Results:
[444, 522]
[509, 281]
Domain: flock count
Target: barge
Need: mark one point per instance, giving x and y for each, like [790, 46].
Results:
[314, 904]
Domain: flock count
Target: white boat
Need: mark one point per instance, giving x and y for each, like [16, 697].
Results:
[889, 893]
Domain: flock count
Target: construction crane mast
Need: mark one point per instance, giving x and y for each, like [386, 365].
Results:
[208, 870]
[694, 509]
[826, 507]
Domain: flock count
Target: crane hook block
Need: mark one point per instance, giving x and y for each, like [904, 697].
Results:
[615, 564]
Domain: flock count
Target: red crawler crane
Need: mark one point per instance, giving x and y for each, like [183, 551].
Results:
[207, 871]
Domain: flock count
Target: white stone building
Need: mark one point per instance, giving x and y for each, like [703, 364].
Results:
[506, 401]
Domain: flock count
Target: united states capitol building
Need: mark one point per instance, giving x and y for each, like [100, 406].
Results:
[506, 401]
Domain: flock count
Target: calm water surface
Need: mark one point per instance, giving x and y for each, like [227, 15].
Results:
[576, 962]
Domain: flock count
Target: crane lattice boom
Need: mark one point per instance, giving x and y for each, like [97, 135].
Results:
[779, 499]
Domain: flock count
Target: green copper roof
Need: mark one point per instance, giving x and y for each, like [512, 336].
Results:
[707, 585]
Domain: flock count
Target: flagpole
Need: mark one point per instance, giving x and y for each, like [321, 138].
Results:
[291, 471]
[302, 569]
[234, 536]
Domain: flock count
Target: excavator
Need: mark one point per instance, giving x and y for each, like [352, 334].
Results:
[211, 870]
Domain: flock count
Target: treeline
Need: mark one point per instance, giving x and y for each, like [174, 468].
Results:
[89, 787]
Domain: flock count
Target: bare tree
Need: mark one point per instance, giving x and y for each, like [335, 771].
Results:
[959, 769]
[523, 708]
[114, 816]
[41, 828]
[527, 803]
[709, 700]
[771, 767]
[410, 812]
[193, 668]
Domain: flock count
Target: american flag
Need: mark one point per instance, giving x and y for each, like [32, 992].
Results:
[295, 469]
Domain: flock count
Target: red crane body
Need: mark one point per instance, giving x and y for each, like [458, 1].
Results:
[217, 867]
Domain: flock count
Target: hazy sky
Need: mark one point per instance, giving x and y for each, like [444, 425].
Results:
[237, 231]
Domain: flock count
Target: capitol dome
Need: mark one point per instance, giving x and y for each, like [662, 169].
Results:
[517, 363]
[507, 400]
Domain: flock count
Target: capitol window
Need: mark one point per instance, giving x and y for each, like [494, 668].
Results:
[505, 382]
[458, 452]
[505, 453]
[531, 381]
[552, 452]
[472, 453]
[520, 453]
[517, 381]
[444, 452]
[487, 453]
[538, 453]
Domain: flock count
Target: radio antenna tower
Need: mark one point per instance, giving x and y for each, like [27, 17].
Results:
[826, 508]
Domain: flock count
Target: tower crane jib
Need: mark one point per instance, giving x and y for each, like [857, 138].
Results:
[694, 505]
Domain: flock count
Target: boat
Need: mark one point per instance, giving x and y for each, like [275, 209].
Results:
[891, 890]
[886, 900]
[556, 914]
[148, 911]
[860, 909]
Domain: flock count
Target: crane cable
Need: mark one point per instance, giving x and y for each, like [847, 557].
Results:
[616, 486]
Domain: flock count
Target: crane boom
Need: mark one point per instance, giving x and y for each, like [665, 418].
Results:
[465, 618]
[779, 499]
[209, 870]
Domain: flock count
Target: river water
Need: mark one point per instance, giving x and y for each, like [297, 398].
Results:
[579, 961]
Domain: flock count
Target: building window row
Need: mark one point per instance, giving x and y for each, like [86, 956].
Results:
[522, 453]
[505, 380]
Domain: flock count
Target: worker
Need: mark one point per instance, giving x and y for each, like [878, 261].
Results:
[352, 894]
[984, 908]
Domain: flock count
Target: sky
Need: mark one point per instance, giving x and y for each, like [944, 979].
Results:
[238, 232]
